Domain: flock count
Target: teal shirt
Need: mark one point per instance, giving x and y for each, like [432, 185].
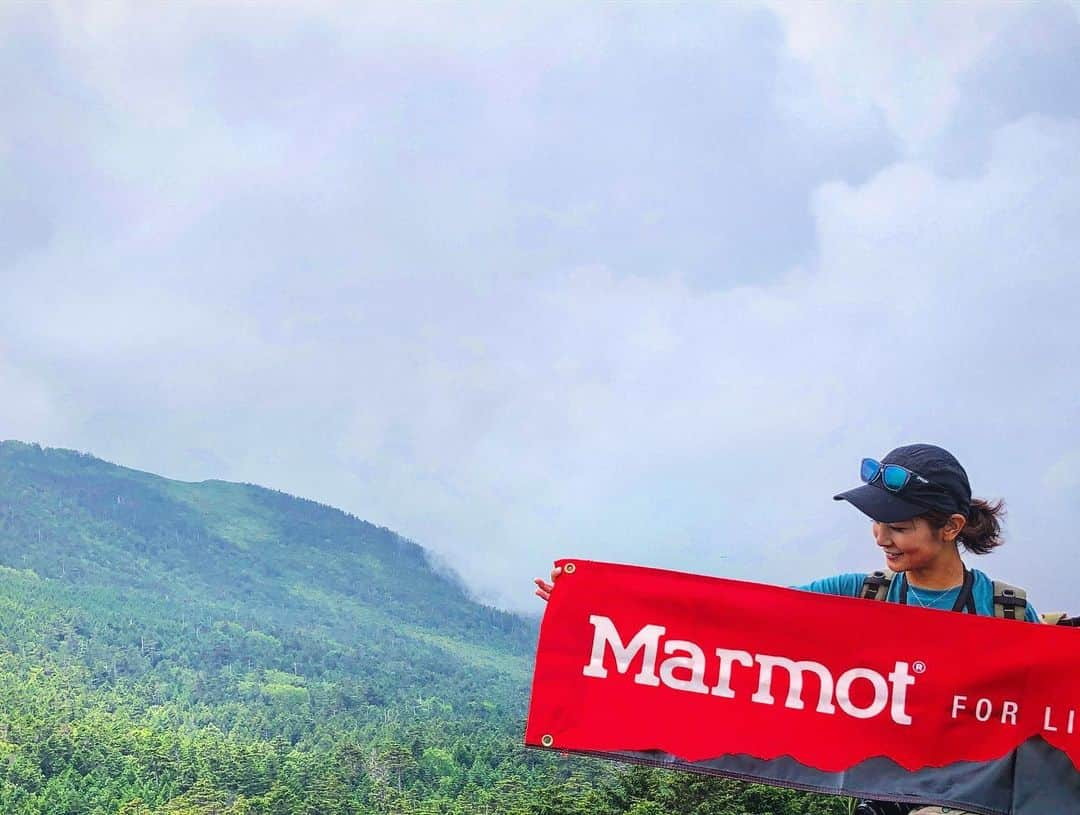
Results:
[982, 590]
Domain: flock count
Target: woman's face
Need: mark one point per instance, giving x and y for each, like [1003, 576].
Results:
[910, 544]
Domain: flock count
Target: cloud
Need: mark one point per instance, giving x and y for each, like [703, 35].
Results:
[1026, 70]
[616, 283]
[27, 408]
[944, 76]
[905, 61]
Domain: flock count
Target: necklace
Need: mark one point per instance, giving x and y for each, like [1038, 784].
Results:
[964, 599]
[931, 604]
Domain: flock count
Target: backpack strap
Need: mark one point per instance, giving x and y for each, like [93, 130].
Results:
[1010, 602]
[875, 586]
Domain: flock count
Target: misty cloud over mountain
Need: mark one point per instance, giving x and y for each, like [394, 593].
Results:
[622, 282]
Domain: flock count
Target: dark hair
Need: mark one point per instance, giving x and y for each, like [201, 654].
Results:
[982, 532]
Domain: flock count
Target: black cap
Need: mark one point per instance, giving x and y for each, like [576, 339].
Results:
[947, 490]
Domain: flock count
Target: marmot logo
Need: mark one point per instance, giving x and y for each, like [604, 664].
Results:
[689, 656]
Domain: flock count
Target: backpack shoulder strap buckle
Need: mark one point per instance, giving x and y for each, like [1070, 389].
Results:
[876, 585]
[1010, 602]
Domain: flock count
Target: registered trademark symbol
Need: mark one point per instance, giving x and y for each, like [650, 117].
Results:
[919, 667]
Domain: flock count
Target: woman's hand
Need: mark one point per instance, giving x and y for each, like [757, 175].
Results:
[543, 589]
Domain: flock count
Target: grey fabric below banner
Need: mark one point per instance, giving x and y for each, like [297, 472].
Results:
[1035, 779]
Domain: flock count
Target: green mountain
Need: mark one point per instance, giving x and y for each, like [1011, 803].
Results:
[169, 648]
[250, 573]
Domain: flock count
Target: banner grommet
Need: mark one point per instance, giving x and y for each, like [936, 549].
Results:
[569, 568]
[547, 740]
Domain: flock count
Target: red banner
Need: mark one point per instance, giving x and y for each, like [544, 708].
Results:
[682, 669]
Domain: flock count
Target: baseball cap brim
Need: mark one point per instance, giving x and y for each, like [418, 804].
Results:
[880, 504]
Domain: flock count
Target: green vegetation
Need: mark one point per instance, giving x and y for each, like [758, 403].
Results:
[216, 649]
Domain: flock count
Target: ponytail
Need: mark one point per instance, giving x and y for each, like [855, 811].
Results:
[982, 532]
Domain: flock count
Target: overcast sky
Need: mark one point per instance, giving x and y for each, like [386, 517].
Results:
[635, 282]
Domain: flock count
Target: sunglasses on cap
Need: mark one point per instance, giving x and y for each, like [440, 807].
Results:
[893, 477]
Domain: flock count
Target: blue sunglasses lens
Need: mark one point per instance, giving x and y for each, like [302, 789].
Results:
[869, 469]
[894, 477]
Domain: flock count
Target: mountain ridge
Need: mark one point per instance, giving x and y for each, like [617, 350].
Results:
[141, 516]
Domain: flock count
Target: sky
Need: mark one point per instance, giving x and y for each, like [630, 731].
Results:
[634, 282]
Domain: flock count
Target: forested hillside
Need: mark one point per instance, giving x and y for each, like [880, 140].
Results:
[168, 647]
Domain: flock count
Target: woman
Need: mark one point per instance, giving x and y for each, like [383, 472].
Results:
[919, 500]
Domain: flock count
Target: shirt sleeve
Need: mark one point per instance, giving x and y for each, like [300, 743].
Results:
[1031, 615]
[844, 585]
